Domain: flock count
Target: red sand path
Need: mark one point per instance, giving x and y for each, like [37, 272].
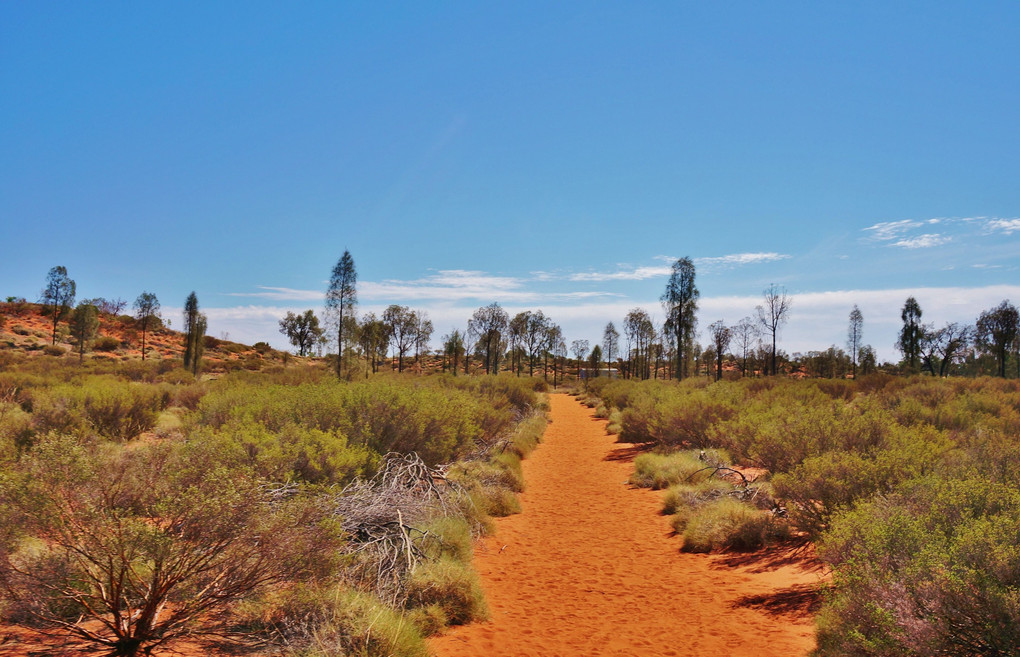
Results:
[590, 568]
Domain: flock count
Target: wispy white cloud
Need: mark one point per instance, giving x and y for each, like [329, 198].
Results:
[281, 294]
[631, 274]
[925, 241]
[447, 285]
[908, 233]
[737, 259]
[1007, 226]
[891, 230]
[624, 273]
[458, 285]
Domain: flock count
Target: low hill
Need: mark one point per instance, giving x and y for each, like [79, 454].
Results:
[26, 328]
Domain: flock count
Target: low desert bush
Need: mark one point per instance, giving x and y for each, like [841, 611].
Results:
[450, 585]
[106, 343]
[54, 350]
[101, 406]
[326, 621]
[690, 496]
[930, 569]
[657, 471]
[729, 523]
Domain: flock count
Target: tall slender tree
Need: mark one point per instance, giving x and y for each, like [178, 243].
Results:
[84, 326]
[640, 332]
[146, 313]
[551, 347]
[853, 336]
[746, 334]
[518, 330]
[772, 314]
[595, 361]
[610, 343]
[341, 300]
[57, 296]
[680, 301]
[423, 329]
[534, 337]
[453, 347]
[909, 341]
[194, 334]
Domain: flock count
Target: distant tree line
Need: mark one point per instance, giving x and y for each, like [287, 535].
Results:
[493, 341]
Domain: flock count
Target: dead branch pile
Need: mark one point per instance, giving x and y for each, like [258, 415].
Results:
[757, 496]
[380, 515]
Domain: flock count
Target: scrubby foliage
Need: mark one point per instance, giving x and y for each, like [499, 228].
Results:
[908, 484]
[138, 504]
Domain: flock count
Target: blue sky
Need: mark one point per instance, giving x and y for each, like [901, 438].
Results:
[542, 155]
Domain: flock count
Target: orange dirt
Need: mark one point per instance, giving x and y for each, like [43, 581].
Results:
[591, 568]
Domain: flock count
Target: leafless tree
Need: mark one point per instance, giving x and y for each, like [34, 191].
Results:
[580, 349]
[746, 335]
[772, 314]
[131, 550]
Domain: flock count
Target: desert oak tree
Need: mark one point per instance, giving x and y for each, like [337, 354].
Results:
[680, 301]
[341, 300]
[146, 312]
[57, 296]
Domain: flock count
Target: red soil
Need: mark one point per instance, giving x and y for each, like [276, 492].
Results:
[591, 568]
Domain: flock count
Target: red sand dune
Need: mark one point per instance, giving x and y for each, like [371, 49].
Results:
[591, 568]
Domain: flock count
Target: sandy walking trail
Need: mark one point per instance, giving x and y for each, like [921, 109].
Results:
[590, 568]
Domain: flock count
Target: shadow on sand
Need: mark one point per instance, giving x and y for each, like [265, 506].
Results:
[800, 600]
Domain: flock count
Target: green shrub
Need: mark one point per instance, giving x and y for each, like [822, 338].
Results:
[928, 570]
[104, 406]
[448, 536]
[835, 480]
[438, 424]
[296, 453]
[106, 343]
[658, 471]
[54, 350]
[691, 496]
[450, 585]
[329, 621]
[728, 523]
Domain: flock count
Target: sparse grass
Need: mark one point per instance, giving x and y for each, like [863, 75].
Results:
[450, 585]
[728, 523]
[328, 622]
[690, 496]
[658, 471]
